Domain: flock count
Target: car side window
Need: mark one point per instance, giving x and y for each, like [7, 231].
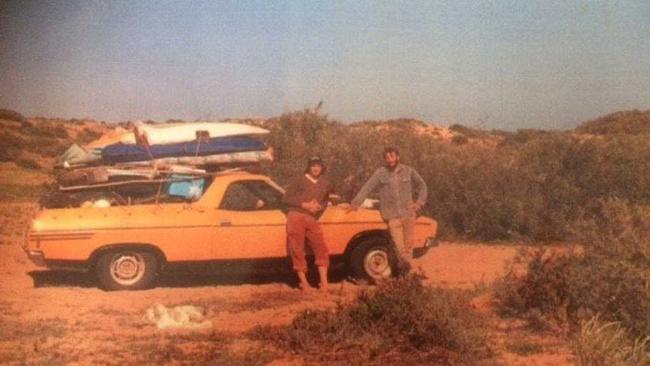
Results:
[252, 195]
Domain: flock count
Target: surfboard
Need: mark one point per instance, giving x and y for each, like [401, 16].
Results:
[181, 132]
[121, 153]
[244, 157]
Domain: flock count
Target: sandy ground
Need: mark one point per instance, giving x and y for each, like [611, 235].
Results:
[55, 318]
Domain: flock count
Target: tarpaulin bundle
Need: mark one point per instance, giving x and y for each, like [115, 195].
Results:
[121, 153]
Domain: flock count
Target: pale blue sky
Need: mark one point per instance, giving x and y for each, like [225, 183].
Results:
[497, 64]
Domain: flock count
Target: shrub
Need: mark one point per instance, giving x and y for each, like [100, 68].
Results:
[11, 115]
[8, 154]
[10, 146]
[531, 187]
[542, 290]
[607, 344]
[459, 140]
[45, 146]
[399, 321]
[87, 135]
[60, 132]
[468, 131]
[570, 288]
[39, 130]
[623, 122]
[614, 228]
[28, 163]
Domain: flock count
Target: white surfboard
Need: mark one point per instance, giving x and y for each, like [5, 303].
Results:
[243, 157]
[180, 132]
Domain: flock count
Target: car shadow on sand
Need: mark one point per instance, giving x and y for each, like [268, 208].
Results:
[182, 278]
[55, 278]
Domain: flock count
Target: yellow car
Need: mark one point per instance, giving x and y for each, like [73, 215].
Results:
[238, 218]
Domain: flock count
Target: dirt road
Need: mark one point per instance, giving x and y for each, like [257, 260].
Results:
[59, 318]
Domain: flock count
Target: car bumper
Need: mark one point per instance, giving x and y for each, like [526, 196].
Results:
[421, 251]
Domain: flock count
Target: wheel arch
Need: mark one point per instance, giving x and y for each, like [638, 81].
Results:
[360, 237]
[94, 256]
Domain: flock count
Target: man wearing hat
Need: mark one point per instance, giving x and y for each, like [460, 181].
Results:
[306, 198]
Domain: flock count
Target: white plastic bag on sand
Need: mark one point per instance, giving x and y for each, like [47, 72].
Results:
[184, 316]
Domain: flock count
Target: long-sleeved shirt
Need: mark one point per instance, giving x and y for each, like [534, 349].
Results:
[395, 191]
[304, 189]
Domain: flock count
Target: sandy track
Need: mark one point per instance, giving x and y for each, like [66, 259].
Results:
[61, 318]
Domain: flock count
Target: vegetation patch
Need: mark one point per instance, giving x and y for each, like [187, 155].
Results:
[601, 294]
[194, 349]
[20, 193]
[601, 343]
[400, 321]
[18, 330]
[624, 122]
[87, 135]
[11, 115]
[524, 348]
[28, 163]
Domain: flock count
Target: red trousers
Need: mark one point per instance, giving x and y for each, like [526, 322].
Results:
[301, 226]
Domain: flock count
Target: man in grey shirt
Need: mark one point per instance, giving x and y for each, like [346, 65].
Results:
[395, 182]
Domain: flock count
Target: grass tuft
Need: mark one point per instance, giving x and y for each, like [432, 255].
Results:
[608, 344]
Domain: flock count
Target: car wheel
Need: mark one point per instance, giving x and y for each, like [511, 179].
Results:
[127, 270]
[372, 260]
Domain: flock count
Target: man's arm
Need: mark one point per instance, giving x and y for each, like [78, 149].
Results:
[329, 191]
[421, 186]
[370, 185]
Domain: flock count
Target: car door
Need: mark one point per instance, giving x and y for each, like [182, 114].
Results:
[250, 222]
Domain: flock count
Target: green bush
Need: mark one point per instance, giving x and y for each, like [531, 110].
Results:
[8, 154]
[531, 188]
[11, 115]
[28, 163]
[60, 132]
[400, 321]
[468, 131]
[570, 288]
[624, 122]
[87, 135]
[10, 146]
[615, 229]
[611, 278]
[39, 130]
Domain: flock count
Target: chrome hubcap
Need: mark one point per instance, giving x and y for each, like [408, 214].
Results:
[377, 264]
[127, 269]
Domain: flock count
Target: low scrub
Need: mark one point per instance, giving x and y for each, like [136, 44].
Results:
[20, 193]
[601, 343]
[533, 186]
[11, 115]
[11, 146]
[624, 122]
[28, 163]
[602, 293]
[400, 321]
[87, 135]
[569, 288]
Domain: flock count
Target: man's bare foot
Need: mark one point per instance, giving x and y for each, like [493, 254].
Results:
[324, 287]
[304, 287]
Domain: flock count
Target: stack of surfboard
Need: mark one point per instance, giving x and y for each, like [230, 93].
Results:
[151, 153]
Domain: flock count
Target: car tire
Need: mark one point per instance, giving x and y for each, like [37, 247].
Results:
[372, 260]
[127, 270]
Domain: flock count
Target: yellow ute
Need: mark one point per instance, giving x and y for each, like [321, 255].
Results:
[240, 217]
